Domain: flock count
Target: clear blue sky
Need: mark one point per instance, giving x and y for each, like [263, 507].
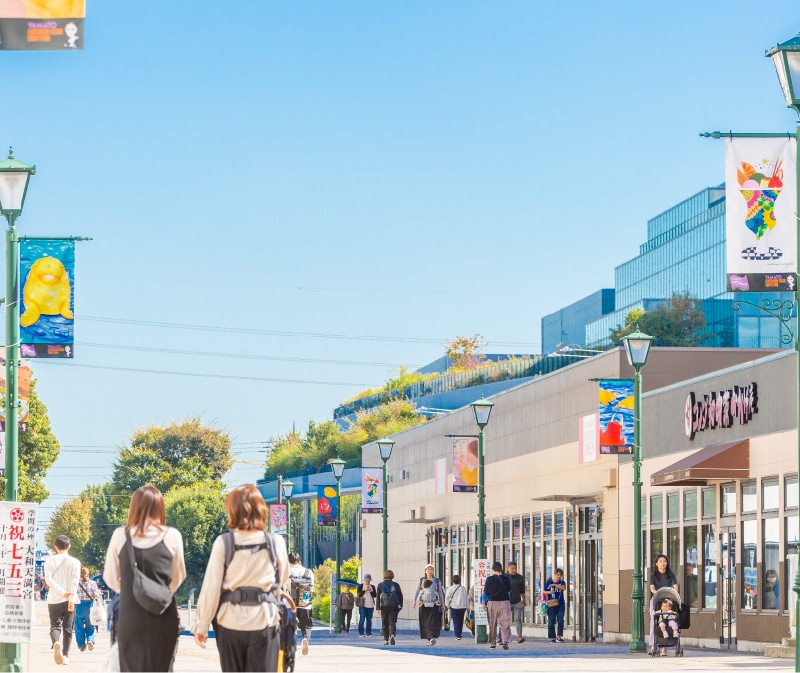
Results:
[338, 188]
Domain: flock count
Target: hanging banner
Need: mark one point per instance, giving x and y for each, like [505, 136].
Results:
[327, 506]
[465, 464]
[371, 490]
[277, 519]
[23, 393]
[47, 321]
[17, 568]
[588, 431]
[481, 569]
[616, 416]
[52, 25]
[760, 219]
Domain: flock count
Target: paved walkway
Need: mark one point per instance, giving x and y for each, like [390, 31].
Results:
[330, 653]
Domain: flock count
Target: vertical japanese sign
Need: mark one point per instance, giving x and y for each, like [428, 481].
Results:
[327, 506]
[277, 519]
[23, 392]
[480, 572]
[440, 476]
[616, 416]
[47, 321]
[42, 24]
[372, 490]
[588, 431]
[465, 464]
[18, 569]
[760, 219]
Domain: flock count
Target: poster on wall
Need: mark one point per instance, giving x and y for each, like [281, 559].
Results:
[278, 522]
[327, 506]
[616, 416]
[760, 222]
[47, 319]
[465, 464]
[17, 568]
[371, 490]
[42, 25]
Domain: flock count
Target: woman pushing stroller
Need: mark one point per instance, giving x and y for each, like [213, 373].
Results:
[661, 577]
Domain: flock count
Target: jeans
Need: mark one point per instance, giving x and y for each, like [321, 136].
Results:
[61, 617]
[84, 629]
[457, 616]
[554, 615]
[516, 616]
[365, 621]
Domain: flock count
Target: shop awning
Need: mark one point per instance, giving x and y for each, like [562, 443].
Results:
[721, 461]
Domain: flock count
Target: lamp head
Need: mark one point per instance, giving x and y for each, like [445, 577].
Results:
[337, 465]
[482, 409]
[786, 58]
[385, 446]
[14, 176]
[288, 488]
[637, 346]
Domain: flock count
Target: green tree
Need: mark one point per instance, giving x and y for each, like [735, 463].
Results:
[72, 518]
[109, 511]
[680, 321]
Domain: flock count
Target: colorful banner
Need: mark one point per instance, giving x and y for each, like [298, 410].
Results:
[17, 568]
[40, 25]
[278, 523]
[760, 205]
[47, 321]
[616, 416]
[327, 506]
[23, 393]
[371, 490]
[465, 464]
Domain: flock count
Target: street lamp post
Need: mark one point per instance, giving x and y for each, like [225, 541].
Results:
[786, 57]
[482, 409]
[385, 446]
[14, 177]
[287, 488]
[337, 465]
[637, 346]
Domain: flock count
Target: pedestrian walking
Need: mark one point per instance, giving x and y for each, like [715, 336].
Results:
[345, 604]
[457, 601]
[661, 576]
[366, 599]
[62, 573]
[301, 588]
[430, 611]
[246, 569]
[554, 589]
[496, 597]
[390, 602]
[517, 598]
[88, 593]
[146, 546]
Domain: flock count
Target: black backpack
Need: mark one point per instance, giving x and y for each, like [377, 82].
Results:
[389, 599]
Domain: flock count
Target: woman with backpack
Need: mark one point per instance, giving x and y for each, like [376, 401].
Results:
[390, 602]
[457, 599]
[246, 569]
[430, 600]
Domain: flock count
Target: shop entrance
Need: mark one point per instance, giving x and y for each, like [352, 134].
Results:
[727, 577]
[590, 586]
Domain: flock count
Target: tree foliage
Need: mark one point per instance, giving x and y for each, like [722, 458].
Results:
[465, 352]
[109, 511]
[72, 518]
[680, 321]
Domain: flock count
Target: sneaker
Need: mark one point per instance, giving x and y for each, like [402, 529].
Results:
[458, 637]
[433, 641]
[81, 649]
[391, 640]
[505, 646]
[491, 647]
[553, 640]
[385, 642]
[65, 660]
[520, 639]
[559, 639]
[305, 646]
[59, 659]
[90, 645]
[430, 642]
[361, 635]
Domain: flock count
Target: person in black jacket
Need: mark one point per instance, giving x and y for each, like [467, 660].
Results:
[390, 602]
[366, 599]
[498, 605]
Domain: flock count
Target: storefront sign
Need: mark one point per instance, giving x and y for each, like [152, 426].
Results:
[480, 571]
[720, 409]
[17, 569]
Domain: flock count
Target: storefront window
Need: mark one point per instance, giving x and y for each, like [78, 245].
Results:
[689, 585]
[769, 495]
[548, 524]
[496, 529]
[537, 525]
[656, 508]
[791, 495]
[728, 500]
[749, 497]
[673, 506]
[462, 533]
[690, 504]
[498, 554]
[710, 502]
[709, 566]
[644, 511]
[560, 523]
[674, 548]
[792, 531]
[771, 588]
[470, 533]
[548, 559]
[559, 554]
[487, 533]
[506, 529]
[515, 528]
[538, 579]
[526, 527]
[749, 558]
[454, 535]
[656, 544]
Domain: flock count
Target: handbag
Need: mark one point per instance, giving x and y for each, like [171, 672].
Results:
[360, 602]
[149, 594]
[99, 613]
[552, 603]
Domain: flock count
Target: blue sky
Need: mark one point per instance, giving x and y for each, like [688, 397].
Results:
[352, 183]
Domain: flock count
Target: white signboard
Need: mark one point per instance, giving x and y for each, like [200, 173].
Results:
[480, 571]
[588, 431]
[17, 570]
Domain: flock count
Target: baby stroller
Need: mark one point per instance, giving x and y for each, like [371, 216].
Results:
[670, 618]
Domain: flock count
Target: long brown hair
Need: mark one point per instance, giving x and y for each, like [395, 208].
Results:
[147, 509]
[246, 508]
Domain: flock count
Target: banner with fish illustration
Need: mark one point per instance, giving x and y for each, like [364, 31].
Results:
[47, 320]
[278, 523]
[23, 393]
[465, 464]
[371, 490]
[42, 25]
[616, 416]
[327, 506]
[760, 206]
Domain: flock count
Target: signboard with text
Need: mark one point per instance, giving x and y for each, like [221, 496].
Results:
[17, 570]
[480, 572]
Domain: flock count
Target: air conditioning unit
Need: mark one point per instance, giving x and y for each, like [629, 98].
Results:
[608, 477]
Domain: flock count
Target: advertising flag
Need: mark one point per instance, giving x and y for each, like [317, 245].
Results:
[277, 519]
[616, 416]
[465, 464]
[760, 219]
[47, 320]
[42, 25]
[327, 506]
[17, 568]
[371, 490]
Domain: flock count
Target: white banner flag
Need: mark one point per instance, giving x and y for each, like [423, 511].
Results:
[18, 570]
[761, 207]
[372, 490]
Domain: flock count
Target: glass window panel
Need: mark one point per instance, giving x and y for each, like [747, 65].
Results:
[656, 508]
[728, 499]
[710, 567]
[470, 532]
[537, 525]
[769, 494]
[673, 506]
[560, 523]
[749, 560]
[771, 590]
[656, 543]
[749, 496]
[516, 529]
[538, 578]
[710, 502]
[462, 533]
[548, 559]
[674, 548]
[497, 529]
[559, 554]
[644, 510]
[506, 529]
[690, 504]
[548, 524]
[487, 532]
[526, 527]
[498, 554]
[454, 535]
[690, 570]
[792, 531]
[791, 496]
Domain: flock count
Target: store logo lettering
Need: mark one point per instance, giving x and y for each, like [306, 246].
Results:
[719, 409]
